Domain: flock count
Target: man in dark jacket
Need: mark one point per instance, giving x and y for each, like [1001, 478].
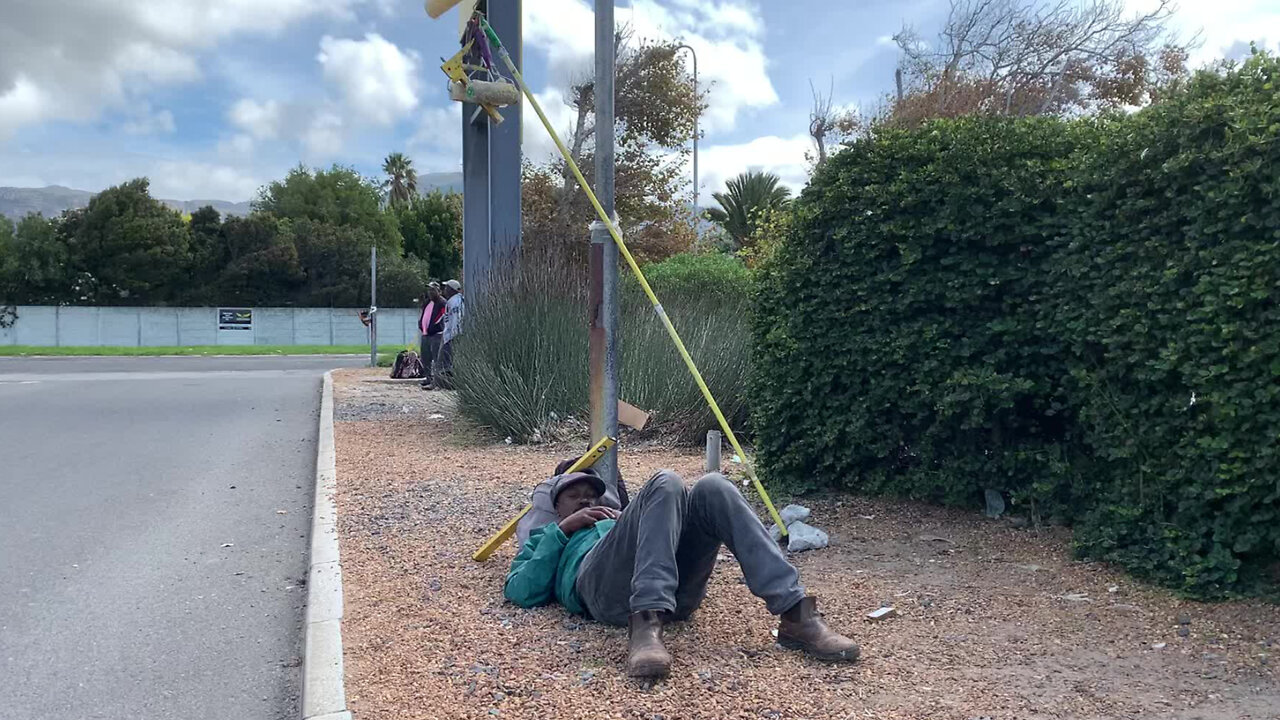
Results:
[651, 563]
[431, 328]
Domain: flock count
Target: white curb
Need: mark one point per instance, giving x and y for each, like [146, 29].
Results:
[323, 697]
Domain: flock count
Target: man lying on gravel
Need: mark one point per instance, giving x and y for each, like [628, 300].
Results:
[651, 563]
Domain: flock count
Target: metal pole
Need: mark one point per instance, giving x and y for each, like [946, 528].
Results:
[697, 222]
[603, 287]
[713, 451]
[373, 306]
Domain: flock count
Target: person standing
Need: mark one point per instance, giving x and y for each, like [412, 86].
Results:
[454, 311]
[431, 328]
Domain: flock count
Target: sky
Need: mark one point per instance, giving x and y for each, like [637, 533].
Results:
[211, 99]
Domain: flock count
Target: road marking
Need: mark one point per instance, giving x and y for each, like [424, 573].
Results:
[29, 378]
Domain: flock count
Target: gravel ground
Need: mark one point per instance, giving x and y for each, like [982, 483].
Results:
[993, 622]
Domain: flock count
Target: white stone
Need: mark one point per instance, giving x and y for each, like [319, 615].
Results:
[803, 537]
[794, 513]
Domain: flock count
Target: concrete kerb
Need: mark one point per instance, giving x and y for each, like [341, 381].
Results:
[323, 696]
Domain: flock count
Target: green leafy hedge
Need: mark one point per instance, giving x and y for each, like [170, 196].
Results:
[1030, 306]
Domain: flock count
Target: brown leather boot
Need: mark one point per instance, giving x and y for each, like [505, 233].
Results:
[646, 657]
[801, 628]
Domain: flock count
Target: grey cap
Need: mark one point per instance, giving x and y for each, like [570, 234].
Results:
[457, 286]
[560, 482]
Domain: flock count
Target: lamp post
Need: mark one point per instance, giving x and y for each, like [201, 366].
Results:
[697, 225]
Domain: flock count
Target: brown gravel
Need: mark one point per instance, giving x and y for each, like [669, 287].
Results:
[992, 621]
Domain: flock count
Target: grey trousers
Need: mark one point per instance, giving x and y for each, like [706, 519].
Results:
[443, 366]
[430, 352]
[661, 553]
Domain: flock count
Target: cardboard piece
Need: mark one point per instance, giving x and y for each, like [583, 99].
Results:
[632, 416]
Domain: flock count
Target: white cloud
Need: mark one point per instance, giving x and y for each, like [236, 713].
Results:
[238, 147]
[439, 127]
[199, 23]
[92, 166]
[322, 139]
[146, 122]
[261, 120]
[183, 180]
[783, 156]
[23, 103]
[376, 80]
[70, 59]
[1220, 24]
[436, 143]
[725, 34]
[536, 144]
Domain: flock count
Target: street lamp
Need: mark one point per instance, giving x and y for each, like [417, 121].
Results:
[697, 225]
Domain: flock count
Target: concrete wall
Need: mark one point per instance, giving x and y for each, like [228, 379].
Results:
[146, 326]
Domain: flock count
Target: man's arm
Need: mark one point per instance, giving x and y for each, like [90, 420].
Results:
[532, 579]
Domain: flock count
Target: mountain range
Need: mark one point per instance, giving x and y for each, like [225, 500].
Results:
[16, 203]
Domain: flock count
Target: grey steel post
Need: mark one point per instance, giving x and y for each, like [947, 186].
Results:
[713, 451]
[491, 171]
[373, 306]
[504, 153]
[697, 216]
[603, 287]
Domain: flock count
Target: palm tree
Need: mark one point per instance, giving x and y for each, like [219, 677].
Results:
[746, 197]
[402, 182]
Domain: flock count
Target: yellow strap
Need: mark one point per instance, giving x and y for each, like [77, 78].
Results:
[644, 284]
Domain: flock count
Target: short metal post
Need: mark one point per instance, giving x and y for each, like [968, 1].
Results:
[713, 451]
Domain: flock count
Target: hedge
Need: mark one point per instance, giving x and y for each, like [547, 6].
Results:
[1081, 314]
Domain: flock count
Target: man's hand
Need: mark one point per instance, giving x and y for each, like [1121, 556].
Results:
[586, 517]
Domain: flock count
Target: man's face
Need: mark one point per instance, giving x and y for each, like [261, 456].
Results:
[576, 497]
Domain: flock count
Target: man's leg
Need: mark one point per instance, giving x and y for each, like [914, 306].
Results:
[633, 568]
[424, 351]
[717, 513]
[433, 347]
[630, 576]
[444, 365]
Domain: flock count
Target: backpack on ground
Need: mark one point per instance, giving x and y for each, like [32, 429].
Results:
[407, 365]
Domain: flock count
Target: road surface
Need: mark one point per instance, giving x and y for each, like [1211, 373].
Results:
[154, 520]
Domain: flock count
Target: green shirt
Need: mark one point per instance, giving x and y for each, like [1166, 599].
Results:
[546, 568]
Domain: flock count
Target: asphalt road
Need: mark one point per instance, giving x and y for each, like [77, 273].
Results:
[154, 520]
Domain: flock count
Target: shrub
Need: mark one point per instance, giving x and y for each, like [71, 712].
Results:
[1080, 314]
[522, 368]
[907, 358]
[1167, 284]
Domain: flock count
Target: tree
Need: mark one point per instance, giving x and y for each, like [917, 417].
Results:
[746, 199]
[338, 196]
[33, 263]
[1038, 57]
[655, 108]
[334, 260]
[132, 248]
[258, 266]
[7, 257]
[205, 226]
[829, 125]
[431, 226]
[401, 184]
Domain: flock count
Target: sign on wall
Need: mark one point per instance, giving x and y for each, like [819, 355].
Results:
[235, 326]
